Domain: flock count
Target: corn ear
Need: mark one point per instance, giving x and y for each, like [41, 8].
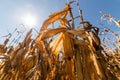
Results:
[67, 45]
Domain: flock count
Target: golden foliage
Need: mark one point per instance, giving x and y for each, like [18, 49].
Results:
[60, 53]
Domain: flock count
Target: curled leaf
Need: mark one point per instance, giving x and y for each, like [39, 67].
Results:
[54, 17]
[78, 32]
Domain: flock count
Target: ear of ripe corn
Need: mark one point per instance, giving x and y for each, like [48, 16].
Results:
[67, 45]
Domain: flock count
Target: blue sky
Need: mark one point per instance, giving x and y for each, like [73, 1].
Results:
[12, 10]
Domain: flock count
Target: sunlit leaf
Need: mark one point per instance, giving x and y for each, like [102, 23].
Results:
[51, 32]
[54, 17]
[56, 45]
[78, 32]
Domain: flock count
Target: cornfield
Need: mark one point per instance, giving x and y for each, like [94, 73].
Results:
[63, 52]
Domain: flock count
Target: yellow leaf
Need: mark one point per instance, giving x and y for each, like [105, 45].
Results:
[56, 45]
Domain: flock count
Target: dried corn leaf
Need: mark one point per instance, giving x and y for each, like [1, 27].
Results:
[84, 52]
[30, 73]
[80, 42]
[62, 11]
[96, 71]
[51, 32]
[39, 43]
[54, 17]
[7, 76]
[29, 62]
[76, 54]
[64, 21]
[18, 58]
[6, 66]
[98, 67]
[78, 32]
[68, 70]
[95, 37]
[56, 45]
[94, 41]
[78, 62]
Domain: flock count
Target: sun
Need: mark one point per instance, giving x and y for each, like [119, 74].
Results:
[29, 20]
